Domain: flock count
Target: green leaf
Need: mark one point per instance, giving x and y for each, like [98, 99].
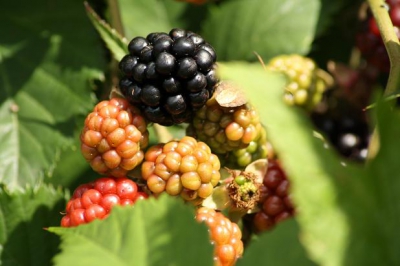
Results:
[71, 168]
[141, 17]
[238, 28]
[117, 44]
[23, 217]
[348, 214]
[49, 53]
[159, 231]
[280, 246]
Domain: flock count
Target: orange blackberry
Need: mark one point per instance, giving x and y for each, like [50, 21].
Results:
[185, 167]
[113, 137]
[224, 235]
[225, 129]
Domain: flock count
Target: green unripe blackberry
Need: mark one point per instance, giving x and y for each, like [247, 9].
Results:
[168, 76]
[257, 149]
[225, 129]
[304, 87]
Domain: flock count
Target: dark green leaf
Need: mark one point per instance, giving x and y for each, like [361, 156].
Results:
[48, 54]
[348, 214]
[141, 17]
[159, 231]
[281, 246]
[114, 41]
[238, 28]
[23, 217]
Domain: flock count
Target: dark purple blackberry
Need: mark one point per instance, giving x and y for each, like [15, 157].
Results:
[151, 72]
[183, 47]
[165, 63]
[146, 55]
[139, 72]
[172, 85]
[345, 127]
[197, 83]
[177, 33]
[169, 75]
[196, 39]
[150, 95]
[204, 60]
[136, 45]
[187, 68]
[200, 98]
[175, 104]
[162, 45]
[127, 63]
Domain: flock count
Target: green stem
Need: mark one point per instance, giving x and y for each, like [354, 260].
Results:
[391, 41]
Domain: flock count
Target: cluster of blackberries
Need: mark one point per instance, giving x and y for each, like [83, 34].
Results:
[168, 76]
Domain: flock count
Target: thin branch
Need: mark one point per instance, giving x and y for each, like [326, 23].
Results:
[380, 11]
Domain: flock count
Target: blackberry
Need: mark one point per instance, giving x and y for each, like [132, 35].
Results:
[185, 167]
[345, 127]
[95, 200]
[275, 203]
[225, 235]
[225, 129]
[257, 149]
[304, 88]
[168, 76]
[114, 137]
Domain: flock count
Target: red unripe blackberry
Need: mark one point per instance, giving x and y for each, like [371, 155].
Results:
[95, 200]
[275, 203]
[225, 235]
[185, 167]
[225, 129]
[178, 64]
[114, 137]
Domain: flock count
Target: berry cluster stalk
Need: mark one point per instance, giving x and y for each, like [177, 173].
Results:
[391, 41]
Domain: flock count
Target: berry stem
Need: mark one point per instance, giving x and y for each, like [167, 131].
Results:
[392, 45]
[391, 41]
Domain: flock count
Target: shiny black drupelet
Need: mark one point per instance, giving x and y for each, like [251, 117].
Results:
[169, 75]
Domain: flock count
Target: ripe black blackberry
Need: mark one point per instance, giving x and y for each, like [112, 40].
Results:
[169, 75]
[345, 127]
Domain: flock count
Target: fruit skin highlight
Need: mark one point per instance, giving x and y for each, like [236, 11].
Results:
[113, 138]
[168, 75]
[95, 200]
[224, 235]
[184, 167]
